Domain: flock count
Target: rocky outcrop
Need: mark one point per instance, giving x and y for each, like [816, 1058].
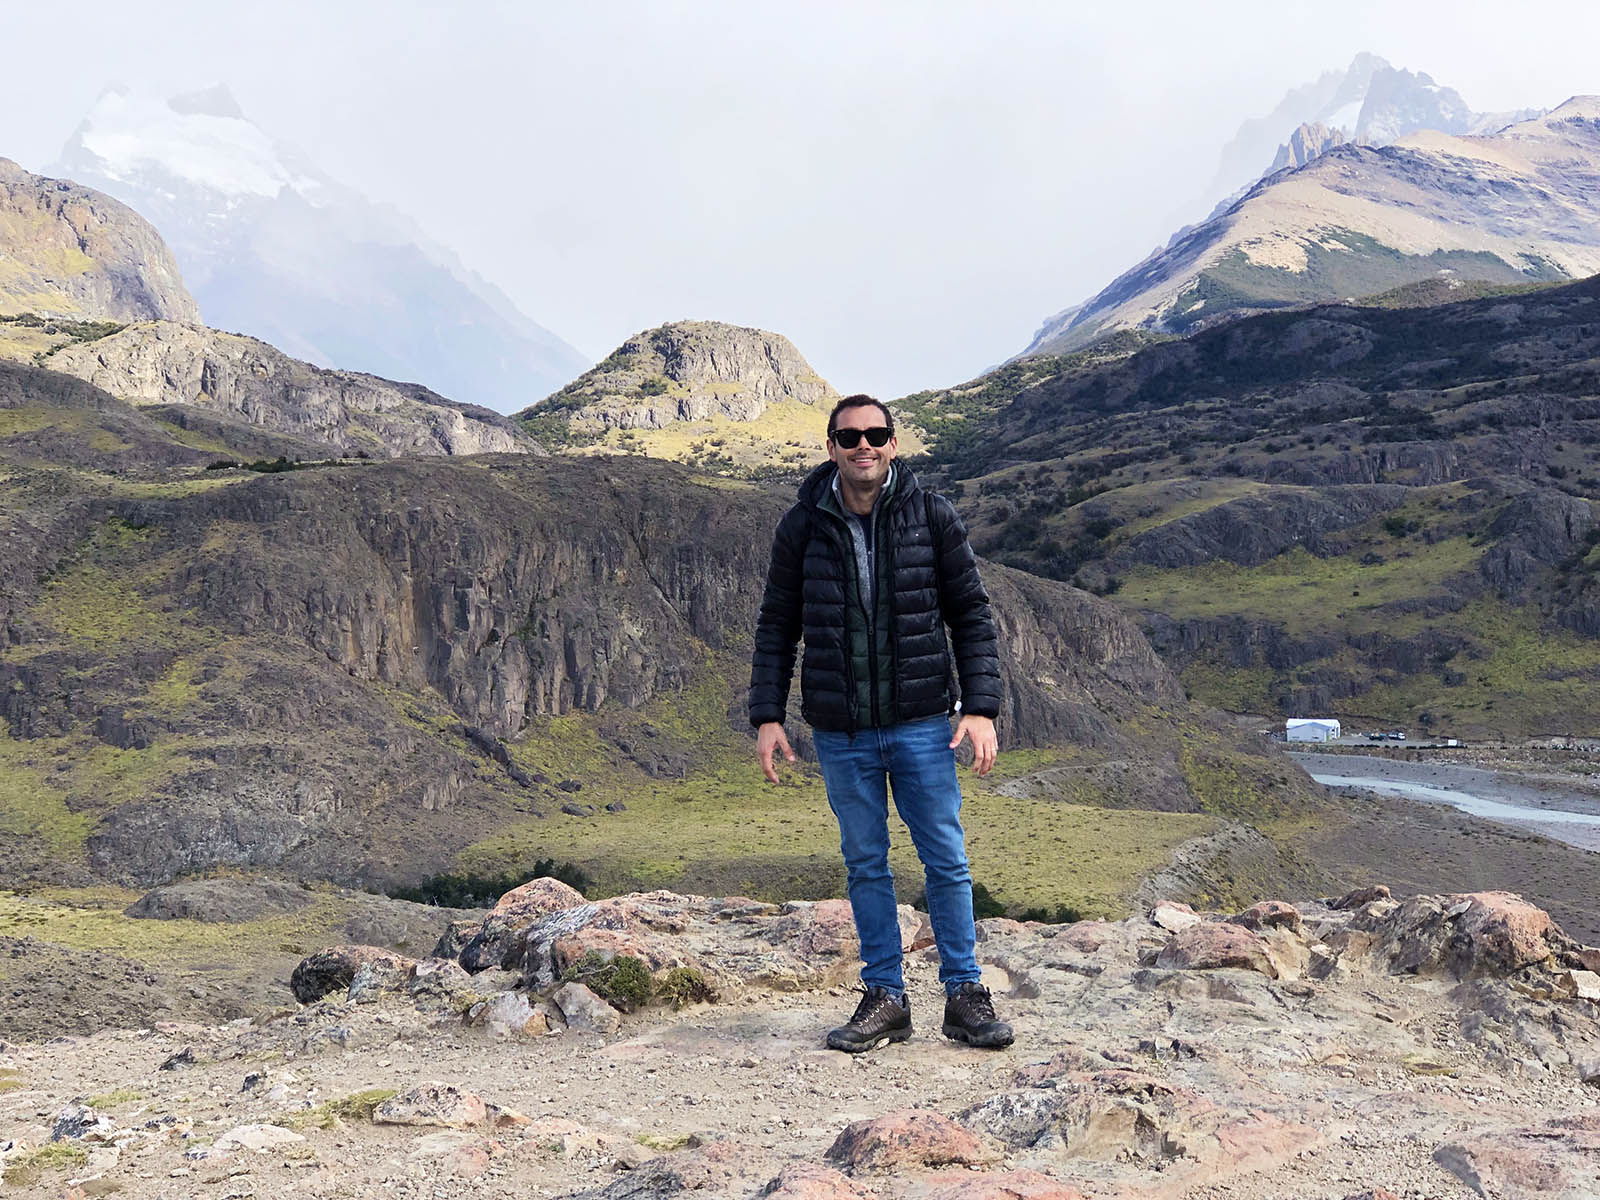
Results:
[688, 371]
[163, 363]
[225, 901]
[1254, 529]
[69, 251]
[1307, 142]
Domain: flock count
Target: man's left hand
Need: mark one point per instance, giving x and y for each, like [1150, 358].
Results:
[984, 743]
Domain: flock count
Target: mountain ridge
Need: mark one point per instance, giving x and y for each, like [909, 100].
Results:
[1509, 207]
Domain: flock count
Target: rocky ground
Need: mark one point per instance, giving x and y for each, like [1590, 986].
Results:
[1435, 1047]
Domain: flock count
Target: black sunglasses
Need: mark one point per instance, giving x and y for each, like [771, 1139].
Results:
[849, 439]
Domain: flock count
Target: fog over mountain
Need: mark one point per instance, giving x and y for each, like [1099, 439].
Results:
[273, 246]
[905, 190]
[1370, 101]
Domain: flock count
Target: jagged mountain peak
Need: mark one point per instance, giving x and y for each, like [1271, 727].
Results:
[1507, 208]
[214, 101]
[1371, 101]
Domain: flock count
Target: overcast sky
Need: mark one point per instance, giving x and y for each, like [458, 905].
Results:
[904, 189]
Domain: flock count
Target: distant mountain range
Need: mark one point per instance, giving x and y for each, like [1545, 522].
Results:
[1370, 103]
[272, 246]
[1517, 206]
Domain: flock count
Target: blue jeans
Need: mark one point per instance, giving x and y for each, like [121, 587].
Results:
[914, 758]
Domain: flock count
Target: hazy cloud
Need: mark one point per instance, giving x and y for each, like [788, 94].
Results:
[905, 189]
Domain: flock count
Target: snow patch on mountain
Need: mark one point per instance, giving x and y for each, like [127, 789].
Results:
[273, 246]
[133, 135]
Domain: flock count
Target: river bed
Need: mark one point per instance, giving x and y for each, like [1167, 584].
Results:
[1540, 805]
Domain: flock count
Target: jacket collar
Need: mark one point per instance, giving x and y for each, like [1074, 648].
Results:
[819, 485]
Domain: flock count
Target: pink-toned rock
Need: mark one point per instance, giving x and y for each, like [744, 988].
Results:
[997, 1185]
[433, 1103]
[808, 1181]
[500, 940]
[907, 1139]
[509, 1014]
[1086, 936]
[1360, 897]
[1261, 1141]
[1559, 1160]
[334, 968]
[1067, 1061]
[1173, 916]
[1588, 957]
[1500, 933]
[1269, 914]
[1373, 1194]
[1213, 945]
[459, 1153]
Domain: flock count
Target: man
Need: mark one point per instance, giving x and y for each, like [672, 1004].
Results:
[869, 569]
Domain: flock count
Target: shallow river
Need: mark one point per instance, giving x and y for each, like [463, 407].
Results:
[1492, 795]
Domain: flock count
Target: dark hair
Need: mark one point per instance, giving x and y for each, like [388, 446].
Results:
[859, 400]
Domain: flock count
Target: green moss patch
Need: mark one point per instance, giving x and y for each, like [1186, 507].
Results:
[32, 1165]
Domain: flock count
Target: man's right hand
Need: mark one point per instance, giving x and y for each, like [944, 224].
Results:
[770, 737]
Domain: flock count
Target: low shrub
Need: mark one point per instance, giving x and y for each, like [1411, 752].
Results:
[622, 982]
[683, 986]
[481, 891]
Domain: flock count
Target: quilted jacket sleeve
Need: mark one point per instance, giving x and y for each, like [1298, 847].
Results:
[778, 625]
[965, 606]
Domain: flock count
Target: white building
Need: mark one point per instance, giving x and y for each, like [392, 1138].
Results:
[1312, 729]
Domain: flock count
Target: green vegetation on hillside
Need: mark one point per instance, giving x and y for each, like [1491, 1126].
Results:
[1423, 615]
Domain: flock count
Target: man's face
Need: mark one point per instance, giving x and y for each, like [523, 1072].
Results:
[865, 465]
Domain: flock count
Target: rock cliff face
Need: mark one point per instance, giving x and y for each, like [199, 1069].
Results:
[689, 371]
[162, 363]
[69, 251]
[316, 666]
[1304, 144]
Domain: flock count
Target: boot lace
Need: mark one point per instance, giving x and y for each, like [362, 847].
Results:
[872, 1000]
[976, 1005]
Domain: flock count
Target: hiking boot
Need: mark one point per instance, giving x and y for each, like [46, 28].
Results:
[969, 1017]
[879, 1018]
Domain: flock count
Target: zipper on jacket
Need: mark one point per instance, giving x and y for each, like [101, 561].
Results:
[851, 703]
[872, 621]
[894, 632]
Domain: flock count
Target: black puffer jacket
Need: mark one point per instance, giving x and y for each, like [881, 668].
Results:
[935, 582]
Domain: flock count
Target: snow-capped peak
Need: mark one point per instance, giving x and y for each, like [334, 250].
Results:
[202, 139]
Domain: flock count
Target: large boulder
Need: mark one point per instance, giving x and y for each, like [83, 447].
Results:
[1469, 935]
[334, 969]
[224, 901]
[908, 1139]
[1214, 944]
[501, 938]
